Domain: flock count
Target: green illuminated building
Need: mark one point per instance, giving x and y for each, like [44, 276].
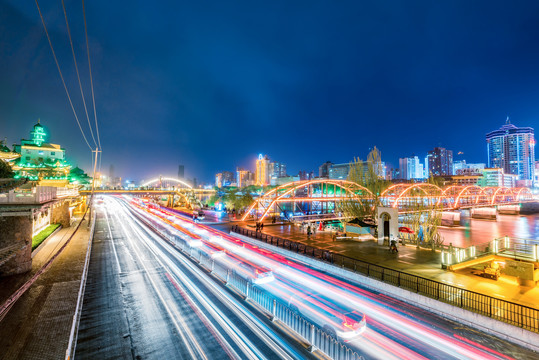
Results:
[40, 160]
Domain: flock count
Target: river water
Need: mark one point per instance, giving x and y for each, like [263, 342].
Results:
[481, 231]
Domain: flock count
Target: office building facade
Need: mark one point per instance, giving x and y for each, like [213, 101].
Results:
[512, 149]
[440, 162]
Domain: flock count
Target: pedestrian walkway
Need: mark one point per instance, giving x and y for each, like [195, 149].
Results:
[409, 259]
[39, 323]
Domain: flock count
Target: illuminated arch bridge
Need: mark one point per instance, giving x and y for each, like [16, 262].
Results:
[166, 182]
[322, 196]
[178, 191]
[307, 197]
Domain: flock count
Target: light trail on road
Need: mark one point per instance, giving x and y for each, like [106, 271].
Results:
[175, 309]
[392, 331]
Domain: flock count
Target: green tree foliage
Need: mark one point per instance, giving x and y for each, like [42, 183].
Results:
[369, 175]
[232, 198]
[5, 170]
[424, 218]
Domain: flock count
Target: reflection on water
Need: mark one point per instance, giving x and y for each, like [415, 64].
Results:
[482, 231]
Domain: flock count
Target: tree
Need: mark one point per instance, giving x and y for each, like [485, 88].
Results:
[5, 170]
[424, 219]
[368, 174]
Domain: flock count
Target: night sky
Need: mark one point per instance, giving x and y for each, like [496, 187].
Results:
[211, 84]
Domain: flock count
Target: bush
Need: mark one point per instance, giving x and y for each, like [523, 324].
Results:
[5, 170]
[43, 234]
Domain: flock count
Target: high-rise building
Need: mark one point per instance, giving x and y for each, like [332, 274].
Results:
[329, 170]
[323, 170]
[244, 177]
[512, 149]
[304, 175]
[411, 168]
[339, 171]
[440, 162]
[181, 171]
[225, 178]
[263, 170]
[277, 169]
[228, 178]
[219, 180]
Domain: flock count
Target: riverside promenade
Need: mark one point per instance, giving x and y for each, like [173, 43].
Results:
[409, 259]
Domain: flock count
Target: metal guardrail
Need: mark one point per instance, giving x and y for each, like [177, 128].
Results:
[274, 308]
[523, 249]
[512, 313]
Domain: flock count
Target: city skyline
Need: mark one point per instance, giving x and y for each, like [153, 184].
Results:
[397, 77]
[388, 167]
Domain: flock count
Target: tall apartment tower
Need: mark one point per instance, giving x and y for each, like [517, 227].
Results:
[411, 168]
[512, 149]
[262, 171]
[181, 171]
[440, 162]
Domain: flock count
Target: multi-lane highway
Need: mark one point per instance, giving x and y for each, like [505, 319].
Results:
[147, 299]
[144, 300]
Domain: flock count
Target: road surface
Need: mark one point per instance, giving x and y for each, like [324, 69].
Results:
[144, 300]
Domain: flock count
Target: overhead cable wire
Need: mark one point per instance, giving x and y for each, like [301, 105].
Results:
[91, 78]
[61, 76]
[77, 71]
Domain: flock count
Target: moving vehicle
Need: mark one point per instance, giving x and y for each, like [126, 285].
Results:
[251, 272]
[337, 320]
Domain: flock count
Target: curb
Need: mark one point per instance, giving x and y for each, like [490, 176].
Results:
[70, 351]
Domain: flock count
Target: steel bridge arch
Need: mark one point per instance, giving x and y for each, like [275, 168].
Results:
[273, 196]
[476, 193]
[167, 179]
[519, 196]
[505, 191]
[393, 194]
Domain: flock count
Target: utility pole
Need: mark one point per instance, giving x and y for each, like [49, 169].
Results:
[96, 151]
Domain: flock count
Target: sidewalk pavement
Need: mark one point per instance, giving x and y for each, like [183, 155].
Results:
[39, 323]
[409, 259]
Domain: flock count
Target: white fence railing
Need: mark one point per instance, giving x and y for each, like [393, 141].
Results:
[272, 307]
[37, 195]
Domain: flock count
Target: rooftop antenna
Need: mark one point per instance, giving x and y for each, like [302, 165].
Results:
[507, 121]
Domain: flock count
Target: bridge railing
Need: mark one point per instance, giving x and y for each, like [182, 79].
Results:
[515, 314]
[274, 308]
[36, 195]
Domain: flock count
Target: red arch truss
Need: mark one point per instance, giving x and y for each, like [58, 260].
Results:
[399, 195]
[289, 193]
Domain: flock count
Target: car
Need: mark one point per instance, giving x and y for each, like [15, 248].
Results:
[254, 273]
[337, 320]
